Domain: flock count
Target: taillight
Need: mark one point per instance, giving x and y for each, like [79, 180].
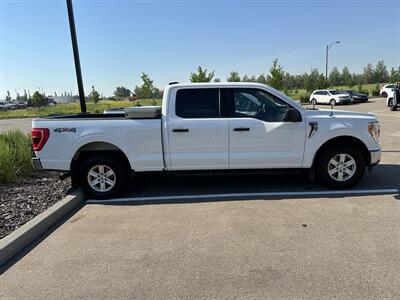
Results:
[39, 138]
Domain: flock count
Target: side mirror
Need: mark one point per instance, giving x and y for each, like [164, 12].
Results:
[293, 115]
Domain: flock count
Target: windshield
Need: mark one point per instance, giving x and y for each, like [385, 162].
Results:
[334, 92]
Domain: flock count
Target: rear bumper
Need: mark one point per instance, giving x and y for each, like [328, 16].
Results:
[36, 164]
[375, 157]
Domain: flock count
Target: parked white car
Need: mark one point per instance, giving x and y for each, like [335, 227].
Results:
[392, 102]
[208, 127]
[386, 90]
[331, 97]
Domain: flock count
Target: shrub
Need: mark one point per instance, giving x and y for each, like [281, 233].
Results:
[304, 98]
[15, 155]
[375, 92]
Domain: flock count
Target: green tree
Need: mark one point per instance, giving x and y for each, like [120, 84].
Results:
[147, 90]
[94, 95]
[381, 73]
[39, 100]
[315, 80]
[233, 77]
[122, 92]
[261, 79]
[368, 74]
[346, 77]
[217, 80]
[275, 78]
[394, 75]
[8, 97]
[245, 78]
[201, 75]
[335, 77]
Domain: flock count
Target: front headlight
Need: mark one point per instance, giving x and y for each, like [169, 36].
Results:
[374, 130]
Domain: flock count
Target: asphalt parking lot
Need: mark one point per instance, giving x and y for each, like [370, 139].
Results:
[291, 246]
[23, 124]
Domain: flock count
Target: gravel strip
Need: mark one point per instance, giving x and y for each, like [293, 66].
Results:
[23, 200]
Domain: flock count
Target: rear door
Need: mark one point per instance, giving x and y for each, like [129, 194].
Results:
[259, 135]
[197, 130]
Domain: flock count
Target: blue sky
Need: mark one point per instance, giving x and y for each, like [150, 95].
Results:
[168, 39]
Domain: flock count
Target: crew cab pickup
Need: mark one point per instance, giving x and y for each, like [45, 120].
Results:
[208, 127]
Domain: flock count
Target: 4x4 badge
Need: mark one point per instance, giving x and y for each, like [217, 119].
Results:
[61, 130]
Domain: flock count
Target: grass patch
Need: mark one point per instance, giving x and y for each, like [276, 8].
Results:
[73, 108]
[15, 155]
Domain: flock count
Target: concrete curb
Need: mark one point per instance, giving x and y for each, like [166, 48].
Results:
[23, 236]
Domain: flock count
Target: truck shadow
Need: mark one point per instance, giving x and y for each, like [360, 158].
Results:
[173, 189]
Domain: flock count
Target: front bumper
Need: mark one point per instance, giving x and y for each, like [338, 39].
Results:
[375, 157]
[345, 101]
[36, 164]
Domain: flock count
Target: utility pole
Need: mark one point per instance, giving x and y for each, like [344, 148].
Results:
[326, 58]
[76, 56]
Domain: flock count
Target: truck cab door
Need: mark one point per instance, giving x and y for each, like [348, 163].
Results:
[197, 133]
[260, 134]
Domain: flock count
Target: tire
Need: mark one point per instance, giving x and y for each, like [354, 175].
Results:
[348, 172]
[93, 178]
[392, 107]
[314, 101]
[332, 102]
[384, 94]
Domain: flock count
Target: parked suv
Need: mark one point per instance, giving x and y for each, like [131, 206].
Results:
[387, 89]
[331, 97]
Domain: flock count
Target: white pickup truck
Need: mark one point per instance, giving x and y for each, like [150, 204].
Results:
[208, 127]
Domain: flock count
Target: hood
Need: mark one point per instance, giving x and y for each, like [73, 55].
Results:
[338, 114]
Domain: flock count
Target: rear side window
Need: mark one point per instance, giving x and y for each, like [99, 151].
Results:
[197, 103]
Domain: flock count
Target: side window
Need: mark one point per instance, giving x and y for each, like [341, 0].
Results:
[325, 93]
[259, 104]
[197, 103]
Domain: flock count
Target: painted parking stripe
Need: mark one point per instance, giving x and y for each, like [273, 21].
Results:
[241, 195]
[389, 115]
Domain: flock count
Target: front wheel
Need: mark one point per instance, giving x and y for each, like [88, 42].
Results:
[332, 102]
[314, 101]
[103, 176]
[341, 167]
[392, 107]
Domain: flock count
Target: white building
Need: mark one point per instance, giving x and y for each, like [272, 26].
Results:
[63, 99]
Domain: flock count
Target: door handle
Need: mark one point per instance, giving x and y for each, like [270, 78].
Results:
[180, 130]
[241, 129]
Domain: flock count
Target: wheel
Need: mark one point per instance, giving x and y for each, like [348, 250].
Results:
[384, 94]
[314, 101]
[332, 102]
[392, 107]
[103, 176]
[341, 166]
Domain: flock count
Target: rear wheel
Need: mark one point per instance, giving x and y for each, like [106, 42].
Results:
[384, 94]
[332, 102]
[340, 167]
[103, 176]
[314, 101]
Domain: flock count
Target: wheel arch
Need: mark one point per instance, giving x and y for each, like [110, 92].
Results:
[92, 148]
[344, 140]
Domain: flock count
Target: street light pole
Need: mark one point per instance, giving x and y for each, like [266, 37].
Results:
[76, 55]
[326, 58]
